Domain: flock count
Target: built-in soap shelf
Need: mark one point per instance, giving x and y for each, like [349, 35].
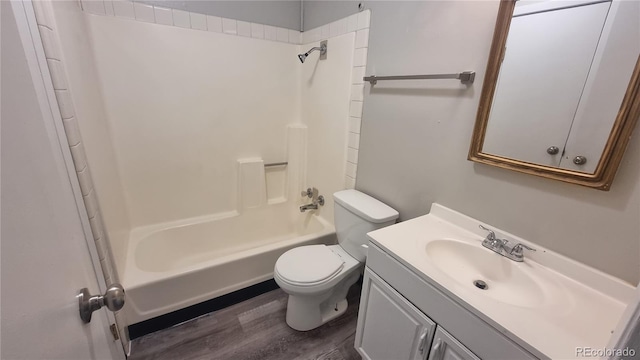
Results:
[276, 182]
[261, 183]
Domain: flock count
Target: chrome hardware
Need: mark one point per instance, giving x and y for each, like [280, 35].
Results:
[436, 349]
[481, 284]
[465, 77]
[113, 299]
[423, 339]
[516, 252]
[501, 246]
[552, 150]
[579, 160]
[322, 48]
[283, 163]
[491, 241]
[316, 200]
[306, 207]
[491, 236]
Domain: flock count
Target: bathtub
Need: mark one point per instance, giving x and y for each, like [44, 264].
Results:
[175, 265]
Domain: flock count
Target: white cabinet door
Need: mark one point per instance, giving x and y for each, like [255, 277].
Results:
[45, 258]
[390, 327]
[446, 347]
[606, 86]
[547, 60]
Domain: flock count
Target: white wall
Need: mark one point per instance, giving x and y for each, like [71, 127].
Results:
[320, 12]
[183, 105]
[415, 138]
[85, 91]
[325, 92]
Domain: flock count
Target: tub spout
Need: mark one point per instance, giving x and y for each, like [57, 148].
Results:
[316, 200]
[306, 207]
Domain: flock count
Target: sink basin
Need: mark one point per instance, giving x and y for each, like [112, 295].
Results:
[548, 304]
[506, 281]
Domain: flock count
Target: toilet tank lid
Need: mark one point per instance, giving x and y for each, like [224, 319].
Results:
[363, 205]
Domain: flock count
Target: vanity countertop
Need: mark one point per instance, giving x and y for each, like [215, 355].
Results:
[550, 302]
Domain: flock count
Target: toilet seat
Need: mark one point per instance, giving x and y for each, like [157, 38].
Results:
[309, 265]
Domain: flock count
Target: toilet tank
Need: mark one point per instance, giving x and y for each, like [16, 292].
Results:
[356, 214]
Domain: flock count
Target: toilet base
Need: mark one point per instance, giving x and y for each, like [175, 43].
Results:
[307, 312]
[334, 311]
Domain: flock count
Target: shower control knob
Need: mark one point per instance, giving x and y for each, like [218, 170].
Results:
[579, 160]
[113, 299]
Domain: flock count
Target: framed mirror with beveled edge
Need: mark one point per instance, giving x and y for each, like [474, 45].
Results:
[561, 93]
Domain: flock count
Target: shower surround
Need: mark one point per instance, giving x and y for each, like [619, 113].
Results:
[174, 116]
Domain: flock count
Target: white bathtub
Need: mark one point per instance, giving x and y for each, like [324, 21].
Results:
[172, 266]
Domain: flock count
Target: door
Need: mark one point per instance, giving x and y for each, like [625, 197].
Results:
[389, 326]
[446, 347]
[44, 254]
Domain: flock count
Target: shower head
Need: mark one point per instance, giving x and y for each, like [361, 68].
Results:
[322, 48]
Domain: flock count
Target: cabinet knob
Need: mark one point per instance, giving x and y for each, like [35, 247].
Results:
[436, 350]
[579, 160]
[423, 339]
[552, 150]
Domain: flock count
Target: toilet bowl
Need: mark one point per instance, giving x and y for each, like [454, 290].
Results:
[318, 277]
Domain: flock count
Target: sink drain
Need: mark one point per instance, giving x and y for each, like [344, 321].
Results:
[480, 284]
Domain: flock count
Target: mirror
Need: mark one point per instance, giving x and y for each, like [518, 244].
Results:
[561, 93]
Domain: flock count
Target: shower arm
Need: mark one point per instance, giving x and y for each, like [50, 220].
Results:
[322, 48]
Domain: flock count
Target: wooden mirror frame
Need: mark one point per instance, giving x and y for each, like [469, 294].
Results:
[613, 151]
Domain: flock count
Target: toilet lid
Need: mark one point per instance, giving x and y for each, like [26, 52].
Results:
[309, 264]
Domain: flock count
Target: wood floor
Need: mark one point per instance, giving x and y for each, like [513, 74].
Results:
[254, 329]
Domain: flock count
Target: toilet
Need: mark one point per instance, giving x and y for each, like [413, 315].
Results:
[318, 277]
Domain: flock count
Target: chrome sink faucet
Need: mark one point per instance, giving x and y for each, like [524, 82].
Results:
[501, 246]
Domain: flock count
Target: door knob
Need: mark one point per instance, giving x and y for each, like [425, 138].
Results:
[552, 150]
[113, 299]
[579, 160]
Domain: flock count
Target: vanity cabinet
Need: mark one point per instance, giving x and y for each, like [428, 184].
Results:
[403, 317]
[390, 327]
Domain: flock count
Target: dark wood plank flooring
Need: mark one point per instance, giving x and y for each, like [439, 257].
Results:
[254, 329]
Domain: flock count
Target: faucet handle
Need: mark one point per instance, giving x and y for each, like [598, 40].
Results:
[491, 236]
[308, 193]
[517, 249]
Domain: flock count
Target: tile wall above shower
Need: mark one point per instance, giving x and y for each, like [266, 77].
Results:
[191, 20]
